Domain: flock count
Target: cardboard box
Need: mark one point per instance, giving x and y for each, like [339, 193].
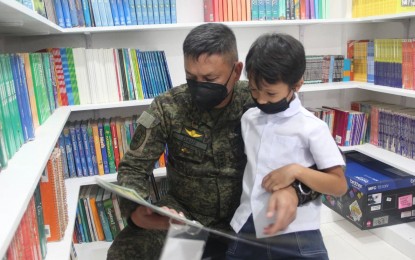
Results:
[379, 195]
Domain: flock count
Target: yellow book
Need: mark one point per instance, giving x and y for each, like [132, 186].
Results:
[30, 89]
[92, 193]
[97, 145]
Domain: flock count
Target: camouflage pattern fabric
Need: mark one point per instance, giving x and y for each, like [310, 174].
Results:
[206, 161]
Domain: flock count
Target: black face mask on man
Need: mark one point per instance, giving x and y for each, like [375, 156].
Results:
[276, 107]
[207, 95]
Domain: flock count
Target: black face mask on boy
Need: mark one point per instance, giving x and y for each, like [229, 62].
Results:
[276, 107]
[207, 95]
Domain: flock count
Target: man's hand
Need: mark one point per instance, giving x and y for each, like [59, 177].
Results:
[280, 178]
[282, 206]
[145, 218]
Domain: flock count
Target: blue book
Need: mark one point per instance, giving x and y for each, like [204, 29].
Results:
[59, 13]
[61, 144]
[25, 99]
[78, 226]
[92, 148]
[102, 215]
[142, 69]
[268, 10]
[127, 14]
[102, 12]
[156, 13]
[153, 73]
[80, 13]
[166, 70]
[144, 11]
[114, 12]
[81, 149]
[165, 81]
[274, 10]
[67, 78]
[150, 12]
[96, 13]
[138, 12]
[128, 73]
[73, 13]
[87, 149]
[162, 12]
[75, 151]
[103, 146]
[66, 13]
[68, 151]
[121, 14]
[173, 12]
[261, 10]
[108, 12]
[87, 13]
[18, 91]
[167, 11]
[132, 12]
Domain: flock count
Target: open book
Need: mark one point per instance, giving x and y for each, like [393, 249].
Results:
[132, 195]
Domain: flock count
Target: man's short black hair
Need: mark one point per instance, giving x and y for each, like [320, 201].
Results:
[211, 38]
[275, 58]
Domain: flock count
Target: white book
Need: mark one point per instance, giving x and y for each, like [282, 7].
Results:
[103, 79]
[82, 75]
[89, 53]
[110, 74]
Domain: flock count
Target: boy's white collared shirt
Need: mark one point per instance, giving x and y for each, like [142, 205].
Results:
[273, 141]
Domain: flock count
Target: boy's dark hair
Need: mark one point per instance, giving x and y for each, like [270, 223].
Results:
[274, 58]
[211, 38]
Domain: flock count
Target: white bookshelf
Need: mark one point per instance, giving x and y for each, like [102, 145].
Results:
[17, 19]
[130, 103]
[19, 180]
[57, 249]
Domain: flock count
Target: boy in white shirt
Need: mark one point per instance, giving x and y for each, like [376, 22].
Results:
[283, 141]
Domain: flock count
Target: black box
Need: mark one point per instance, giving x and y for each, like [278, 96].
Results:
[378, 195]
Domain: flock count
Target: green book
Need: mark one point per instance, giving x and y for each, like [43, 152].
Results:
[39, 86]
[72, 76]
[49, 80]
[83, 213]
[5, 115]
[108, 142]
[3, 152]
[110, 212]
[13, 105]
[40, 221]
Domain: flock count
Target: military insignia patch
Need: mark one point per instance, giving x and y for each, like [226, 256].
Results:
[193, 133]
[138, 138]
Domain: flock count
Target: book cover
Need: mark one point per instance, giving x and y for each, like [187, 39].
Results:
[30, 89]
[81, 149]
[88, 215]
[87, 148]
[115, 142]
[40, 221]
[61, 145]
[110, 213]
[108, 12]
[90, 137]
[39, 85]
[103, 145]
[92, 193]
[73, 13]
[109, 145]
[102, 216]
[167, 11]
[97, 145]
[66, 13]
[72, 76]
[70, 158]
[83, 214]
[49, 81]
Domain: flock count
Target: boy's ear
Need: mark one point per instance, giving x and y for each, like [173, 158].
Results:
[298, 85]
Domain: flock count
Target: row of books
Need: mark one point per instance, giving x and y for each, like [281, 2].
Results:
[95, 147]
[98, 216]
[390, 126]
[112, 75]
[387, 62]
[97, 13]
[26, 95]
[261, 10]
[348, 127]
[46, 217]
[326, 68]
[363, 8]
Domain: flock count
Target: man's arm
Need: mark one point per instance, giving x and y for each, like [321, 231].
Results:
[146, 146]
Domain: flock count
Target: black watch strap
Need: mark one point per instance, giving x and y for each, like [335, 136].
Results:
[304, 193]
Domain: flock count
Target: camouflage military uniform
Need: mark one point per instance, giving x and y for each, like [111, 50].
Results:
[206, 161]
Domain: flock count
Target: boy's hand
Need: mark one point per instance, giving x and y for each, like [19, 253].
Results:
[145, 218]
[282, 206]
[280, 178]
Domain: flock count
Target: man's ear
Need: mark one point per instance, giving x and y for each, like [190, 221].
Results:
[238, 70]
[298, 85]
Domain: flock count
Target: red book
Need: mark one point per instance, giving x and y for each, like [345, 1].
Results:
[60, 84]
[115, 146]
[208, 11]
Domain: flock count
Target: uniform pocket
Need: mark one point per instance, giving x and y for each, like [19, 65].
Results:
[283, 150]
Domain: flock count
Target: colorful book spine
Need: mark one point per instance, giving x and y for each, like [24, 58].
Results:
[109, 145]
[87, 13]
[72, 76]
[59, 13]
[66, 13]
[103, 147]
[87, 148]
[114, 12]
[173, 12]
[92, 148]
[97, 145]
[70, 158]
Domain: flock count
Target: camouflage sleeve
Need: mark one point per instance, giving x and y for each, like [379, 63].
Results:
[146, 146]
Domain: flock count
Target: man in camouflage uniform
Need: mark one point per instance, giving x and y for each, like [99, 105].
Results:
[200, 123]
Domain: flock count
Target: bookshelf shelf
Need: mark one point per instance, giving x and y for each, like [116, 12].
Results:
[17, 19]
[73, 185]
[19, 180]
[130, 103]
